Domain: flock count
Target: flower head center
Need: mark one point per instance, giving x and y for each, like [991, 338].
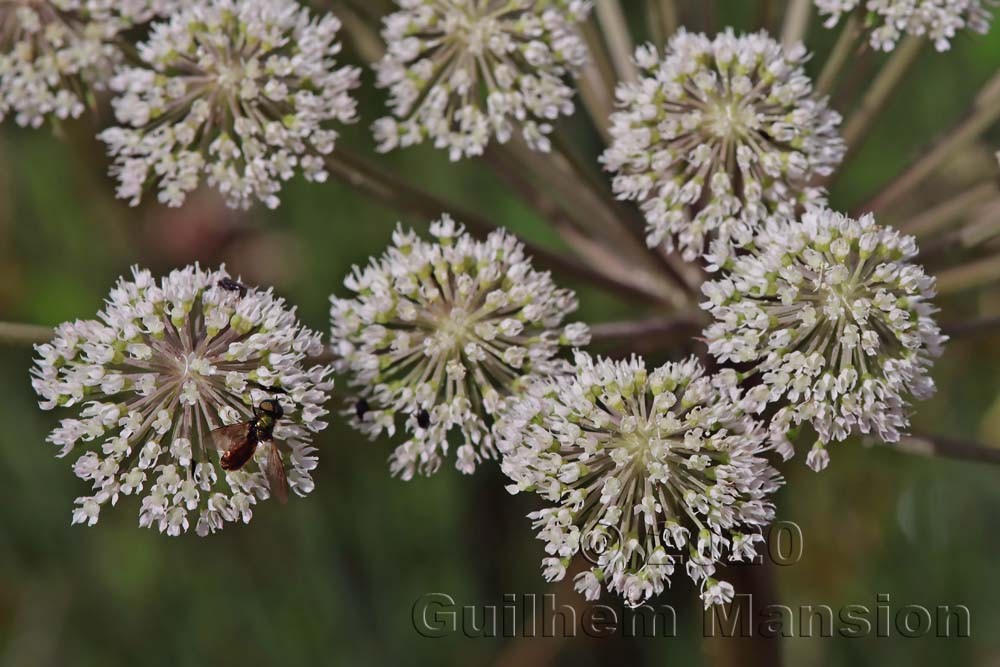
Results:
[456, 325]
[728, 119]
[230, 75]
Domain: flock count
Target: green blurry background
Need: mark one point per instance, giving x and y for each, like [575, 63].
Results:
[332, 579]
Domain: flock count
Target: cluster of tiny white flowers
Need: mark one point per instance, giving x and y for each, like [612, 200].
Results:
[646, 470]
[53, 53]
[163, 365]
[889, 20]
[719, 135]
[440, 333]
[462, 71]
[837, 321]
[242, 92]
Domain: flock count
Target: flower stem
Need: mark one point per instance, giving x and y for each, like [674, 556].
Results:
[389, 189]
[984, 113]
[365, 39]
[15, 333]
[599, 58]
[597, 100]
[594, 252]
[849, 34]
[969, 276]
[948, 447]
[662, 17]
[658, 330]
[938, 217]
[881, 90]
[970, 328]
[757, 590]
[616, 35]
[708, 15]
[796, 22]
[595, 210]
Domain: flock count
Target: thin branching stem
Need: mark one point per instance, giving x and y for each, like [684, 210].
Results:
[969, 276]
[971, 328]
[15, 333]
[391, 190]
[796, 22]
[594, 209]
[662, 330]
[362, 35]
[937, 218]
[881, 90]
[626, 218]
[984, 113]
[599, 57]
[594, 252]
[617, 37]
[668, 17]
[597, 100]
[846, 42]
[948, 447]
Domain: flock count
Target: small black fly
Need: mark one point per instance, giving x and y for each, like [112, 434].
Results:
[232, 286]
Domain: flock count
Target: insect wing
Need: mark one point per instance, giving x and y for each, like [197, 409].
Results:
[274, 470]
[226, 437]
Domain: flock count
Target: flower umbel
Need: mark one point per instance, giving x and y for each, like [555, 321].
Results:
[718, 135]
[463, 71]
[164, 364]
[54, 52]
[243, 93]
[889, 20]
[836, 319]
[646, 470]
[440, 334]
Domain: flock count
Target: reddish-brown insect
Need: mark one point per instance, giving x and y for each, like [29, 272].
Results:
[238, 442]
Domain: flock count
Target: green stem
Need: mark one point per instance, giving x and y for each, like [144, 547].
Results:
[388, 189]
[970, 328]
[593, 252]
[984, 113]
[796, 22]
[881, 90]
[939, 217]
[970, 276]
[948, 447]
[668, 14]
[616, 35]
[365, 39]
[658, 330]
[15, 333]
[849, 34]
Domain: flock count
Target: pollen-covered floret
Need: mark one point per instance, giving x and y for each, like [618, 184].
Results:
[835, 319]
[647, 472]
[166, 362]
[439, 334]
[463, 72]
[718, 135]
[55, 53]
[244, 94]
[888, 20]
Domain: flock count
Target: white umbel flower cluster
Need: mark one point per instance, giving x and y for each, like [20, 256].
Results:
[241, 92]
[837, 322]
[717, 136]
[647, 471]
[461, 72]
[53, 53]
[889, 20]
[438, 336]
[165, 363]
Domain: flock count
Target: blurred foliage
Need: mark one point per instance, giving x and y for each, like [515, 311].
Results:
[332, 579]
